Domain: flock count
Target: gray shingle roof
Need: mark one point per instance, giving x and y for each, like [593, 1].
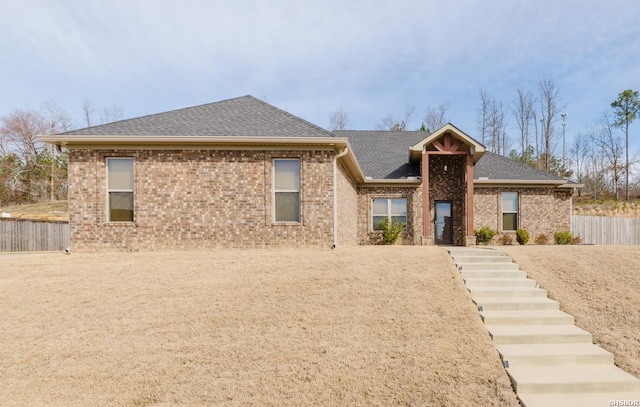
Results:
[244, 116]
[496, 167]
[384, 154]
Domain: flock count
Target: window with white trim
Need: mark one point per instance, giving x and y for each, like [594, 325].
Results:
[509, 211]
[286, 190]
[388, 208]
[120, 189]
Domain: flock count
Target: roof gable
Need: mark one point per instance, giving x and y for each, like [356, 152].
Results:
[442, 138]
[244, 116]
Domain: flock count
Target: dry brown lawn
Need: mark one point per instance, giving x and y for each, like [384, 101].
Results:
[598, 285]
[362, 326]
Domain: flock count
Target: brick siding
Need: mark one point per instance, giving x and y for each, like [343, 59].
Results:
[189, 199]
[541, 210]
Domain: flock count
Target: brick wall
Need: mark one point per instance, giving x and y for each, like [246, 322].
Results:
[347, 208]
[449, 185]
[541, 210]
[185, 199]
[413, 194]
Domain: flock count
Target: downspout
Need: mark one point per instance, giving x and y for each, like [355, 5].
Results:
[335, 195]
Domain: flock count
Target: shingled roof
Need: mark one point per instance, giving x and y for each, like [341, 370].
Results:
[244, 116]
[385, 155]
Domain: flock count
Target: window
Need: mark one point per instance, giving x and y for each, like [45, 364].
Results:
[120, 189]
[388, 208]
[286, 190]
[509, 211]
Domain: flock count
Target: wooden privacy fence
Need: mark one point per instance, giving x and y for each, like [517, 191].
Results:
[23, 235]
[607, 230]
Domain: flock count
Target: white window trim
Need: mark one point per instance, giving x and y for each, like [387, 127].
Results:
[502, 211]
[389, 214]
[274, 192]
[107, 207]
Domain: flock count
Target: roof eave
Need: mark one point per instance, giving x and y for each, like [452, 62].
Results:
[66, 140]
[517, 182]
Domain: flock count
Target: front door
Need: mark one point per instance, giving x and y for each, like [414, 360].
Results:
[444, 222]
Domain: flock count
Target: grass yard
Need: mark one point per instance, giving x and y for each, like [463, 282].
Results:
[598, 285]
[362, 326]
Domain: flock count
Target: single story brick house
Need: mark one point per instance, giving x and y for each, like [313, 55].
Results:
[243, 173]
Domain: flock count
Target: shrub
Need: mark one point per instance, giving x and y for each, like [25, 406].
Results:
[542, 239]
[522, 236]
[576, 240]
[562, 237]
[391, 231]
[505, 240]
[484, 235]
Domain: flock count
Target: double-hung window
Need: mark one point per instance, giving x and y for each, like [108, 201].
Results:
[509, 211]
[120, 189]
[388, 208]
[286, 190]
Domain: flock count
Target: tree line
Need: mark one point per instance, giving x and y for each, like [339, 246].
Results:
[531, 129]
[30, 170]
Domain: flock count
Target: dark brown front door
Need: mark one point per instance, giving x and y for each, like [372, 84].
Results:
[444, 222]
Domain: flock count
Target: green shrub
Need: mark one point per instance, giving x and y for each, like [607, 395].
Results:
[505, 240]
[522, 236]
[562, 237]
[542, 239]
[391, 231]
[484, 235]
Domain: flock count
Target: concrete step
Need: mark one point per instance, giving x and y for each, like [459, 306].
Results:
[515, 304]
[545, 317]
[470, 251]
[502, 292]
[494, 274]
[554, 354]
[499, 282]
[482, 259]
[572, 379]
[487, 266]
[512, 334]
[580, 399]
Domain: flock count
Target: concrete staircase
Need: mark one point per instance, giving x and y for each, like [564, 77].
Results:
[550, 361]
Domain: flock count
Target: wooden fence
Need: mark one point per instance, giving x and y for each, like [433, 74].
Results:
[607, 230]
[22, 235]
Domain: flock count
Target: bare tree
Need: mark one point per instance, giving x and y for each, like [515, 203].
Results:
[339, 120]
[580, 149]
[483, 120]
[523, 111]
[87, 110]
[610, 148]
[550, 108]
[436, 117]
[389, 122]
[111, 114]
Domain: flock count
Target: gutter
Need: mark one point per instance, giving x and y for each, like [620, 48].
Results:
[335, 194]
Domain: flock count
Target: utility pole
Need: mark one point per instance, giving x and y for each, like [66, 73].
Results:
[564, 123]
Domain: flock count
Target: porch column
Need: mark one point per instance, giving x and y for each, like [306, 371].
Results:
[426, 218]
[469, 195]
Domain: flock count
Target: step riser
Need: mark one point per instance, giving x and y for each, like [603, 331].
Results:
[518, 306]
[477, 294]
[482, 259]
[488, 266]
[510, 282]
[559, 360]
[535, 339]
[528, 321]
[494, 274]
[584, 387]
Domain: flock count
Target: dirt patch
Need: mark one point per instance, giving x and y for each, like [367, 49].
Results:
[375, 326]
[598, 285]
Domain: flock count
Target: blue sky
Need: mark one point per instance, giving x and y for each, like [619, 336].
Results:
[309, 57]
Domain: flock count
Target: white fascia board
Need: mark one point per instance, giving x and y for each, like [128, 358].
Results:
[515, 182]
